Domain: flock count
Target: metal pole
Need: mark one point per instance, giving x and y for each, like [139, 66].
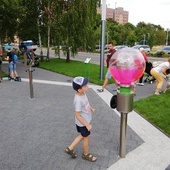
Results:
[102, 39]
[167, 37]
[25, 60]
[123, 126]
[30, 70]
[115, 11]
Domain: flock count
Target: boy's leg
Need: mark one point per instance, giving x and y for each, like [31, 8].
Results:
[70, 150]
[86, 155]
[75, 142]
[86, 145]
[11, 70]
[167, 87]
[16, 74]
[105, 83]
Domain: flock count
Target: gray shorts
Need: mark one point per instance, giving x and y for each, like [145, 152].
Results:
[108, 75]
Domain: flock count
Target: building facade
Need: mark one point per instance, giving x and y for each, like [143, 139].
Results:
[117, 14]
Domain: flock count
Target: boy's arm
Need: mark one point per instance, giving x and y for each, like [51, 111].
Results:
[82, 120]
[7, 58]
[92, 109]
[164, 71]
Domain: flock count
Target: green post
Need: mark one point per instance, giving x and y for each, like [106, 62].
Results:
[125, 90]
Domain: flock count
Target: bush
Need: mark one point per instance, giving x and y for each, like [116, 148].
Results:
[161, 54]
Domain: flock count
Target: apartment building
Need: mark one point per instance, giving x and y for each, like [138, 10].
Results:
[118, 14]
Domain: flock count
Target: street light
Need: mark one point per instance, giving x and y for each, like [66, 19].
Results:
[167, 36]
[115, 11]
[102, 39]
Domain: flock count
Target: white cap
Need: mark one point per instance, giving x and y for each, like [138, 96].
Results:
[79, 82]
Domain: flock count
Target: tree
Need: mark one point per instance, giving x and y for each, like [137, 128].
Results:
[9, 11]
[75, 21]
[28, 28]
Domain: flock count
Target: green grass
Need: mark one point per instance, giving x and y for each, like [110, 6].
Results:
[4, 74]
[75, 68]
[156, 109]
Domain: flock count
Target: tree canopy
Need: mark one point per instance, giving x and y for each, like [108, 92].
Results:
[70, 23]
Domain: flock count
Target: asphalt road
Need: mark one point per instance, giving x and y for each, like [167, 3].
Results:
[81, 56]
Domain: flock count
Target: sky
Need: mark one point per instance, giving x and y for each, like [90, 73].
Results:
[149, 11]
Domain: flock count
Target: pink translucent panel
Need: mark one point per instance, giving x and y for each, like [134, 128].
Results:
[129, 66]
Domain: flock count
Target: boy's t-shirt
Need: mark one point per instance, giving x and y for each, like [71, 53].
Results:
[10, 56]
[82, 105]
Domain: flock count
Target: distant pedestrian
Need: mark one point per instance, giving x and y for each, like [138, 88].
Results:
[142, 50]
[13, 75]
[157, 72]
[83, 118]
[108, 61]
[168, 80]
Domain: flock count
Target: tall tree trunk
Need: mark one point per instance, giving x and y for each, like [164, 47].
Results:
[40, 43]
[68, 56]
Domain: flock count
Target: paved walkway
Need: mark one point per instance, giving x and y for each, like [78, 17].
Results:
[34, 132]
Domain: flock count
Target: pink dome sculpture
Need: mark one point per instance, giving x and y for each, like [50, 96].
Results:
[129, 66]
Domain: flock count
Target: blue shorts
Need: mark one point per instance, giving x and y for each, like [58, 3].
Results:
[12, 67]
[83, 130]
[108, 75]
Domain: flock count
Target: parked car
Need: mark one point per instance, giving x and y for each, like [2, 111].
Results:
[118, 47]
[165, 49]
[98, 47]
[146, 47]
[27, 45]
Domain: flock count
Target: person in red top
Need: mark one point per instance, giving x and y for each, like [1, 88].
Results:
[108, 60]
[142, 50]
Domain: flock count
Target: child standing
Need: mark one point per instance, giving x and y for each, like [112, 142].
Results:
[12, 65]
[82, 119]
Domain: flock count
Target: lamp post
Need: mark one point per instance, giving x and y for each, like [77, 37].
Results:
[129, 67]
[102, 39]
[167, 36]
[115, 11]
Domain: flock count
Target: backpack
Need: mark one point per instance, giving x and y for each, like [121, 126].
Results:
[14, 57]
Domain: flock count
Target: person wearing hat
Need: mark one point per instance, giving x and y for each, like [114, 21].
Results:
[142, 50]
[83, 118]
[12, 66]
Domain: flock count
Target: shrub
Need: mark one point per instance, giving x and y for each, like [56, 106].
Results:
[161, 54]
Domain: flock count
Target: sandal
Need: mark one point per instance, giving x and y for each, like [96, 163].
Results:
[70, 152]
[89, 157]
[100, 90]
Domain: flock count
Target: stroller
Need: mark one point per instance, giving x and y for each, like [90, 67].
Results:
[32, 59]
[149, 78]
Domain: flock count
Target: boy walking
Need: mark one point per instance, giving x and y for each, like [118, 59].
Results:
[83, 118]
